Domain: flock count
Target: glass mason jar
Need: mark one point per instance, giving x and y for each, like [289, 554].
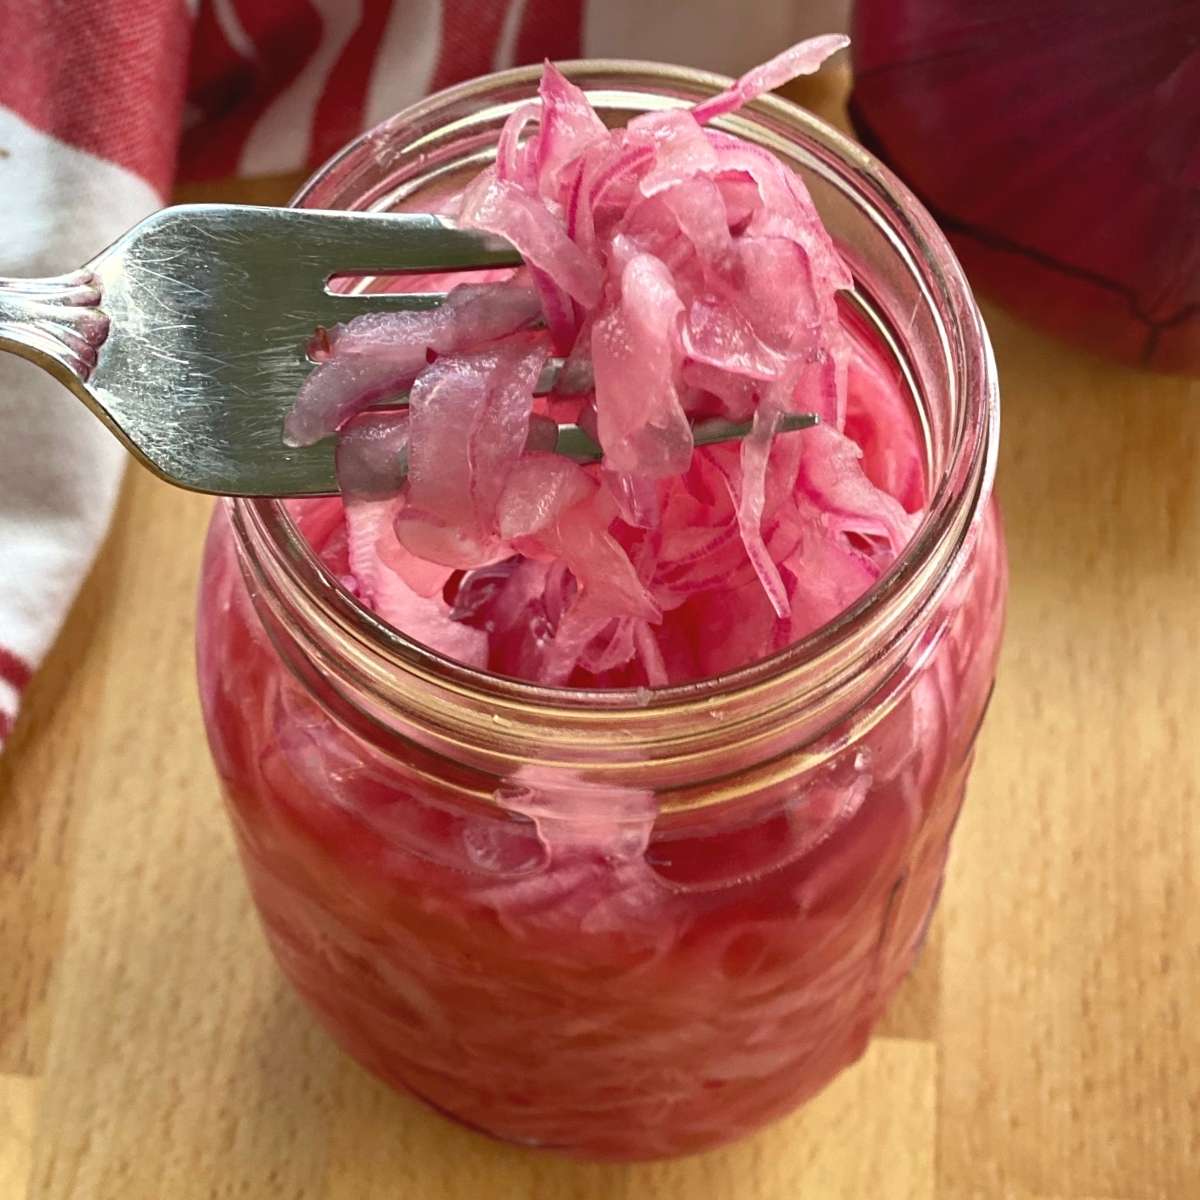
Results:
[626, 924]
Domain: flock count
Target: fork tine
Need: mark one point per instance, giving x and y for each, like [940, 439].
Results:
[406, 242]
[336, 241]
[430, 243]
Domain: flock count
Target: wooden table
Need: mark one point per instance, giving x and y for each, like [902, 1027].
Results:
[1048, 1046]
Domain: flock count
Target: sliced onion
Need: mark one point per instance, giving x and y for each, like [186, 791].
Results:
[472, 314]
[756, 451]
[831, 476]
[504, 208]
[681, 149]
[512, 159]
[538, 489]
[681, 274]
[802, 59]
[372, 456]
[338, 389]
[569, 125]
[468, 425]
[635, 355]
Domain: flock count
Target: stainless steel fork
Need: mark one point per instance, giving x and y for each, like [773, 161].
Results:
[188, 336]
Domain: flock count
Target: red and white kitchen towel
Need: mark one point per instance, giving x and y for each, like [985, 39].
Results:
[103, 102]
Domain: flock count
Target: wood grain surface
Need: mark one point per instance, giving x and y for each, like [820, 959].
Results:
[1047, 1047]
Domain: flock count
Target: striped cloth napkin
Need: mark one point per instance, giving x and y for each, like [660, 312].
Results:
[102, 102]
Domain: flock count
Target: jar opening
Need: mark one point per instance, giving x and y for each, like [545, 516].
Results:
[908, 286]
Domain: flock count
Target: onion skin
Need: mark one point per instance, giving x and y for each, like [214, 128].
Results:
[1058, 144]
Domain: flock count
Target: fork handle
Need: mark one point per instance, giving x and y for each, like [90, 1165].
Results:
[56, 323]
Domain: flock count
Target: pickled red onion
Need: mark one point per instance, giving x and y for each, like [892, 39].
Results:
[688, 274]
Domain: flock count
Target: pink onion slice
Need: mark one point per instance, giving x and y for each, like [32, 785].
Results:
[756, 450]
[473, 313]
[338, 389]
[698, 206]
[831, 475]
[538, 489]
[635, 355]
[608, 584]
[504, 208]
[718, 335]
[372, 456]
[500, 431]
[682, 150]
[468, 422]
[569, 125]
[428, 621]
[513, 161]
[802, 59]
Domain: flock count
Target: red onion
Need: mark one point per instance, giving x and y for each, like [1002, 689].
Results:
[1058, 143]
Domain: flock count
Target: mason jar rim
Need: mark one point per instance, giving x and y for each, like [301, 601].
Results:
[815, 664]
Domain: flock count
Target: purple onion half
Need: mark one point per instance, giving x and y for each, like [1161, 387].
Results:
[1058, 144]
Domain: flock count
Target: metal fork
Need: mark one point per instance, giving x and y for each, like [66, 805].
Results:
[188, 336]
